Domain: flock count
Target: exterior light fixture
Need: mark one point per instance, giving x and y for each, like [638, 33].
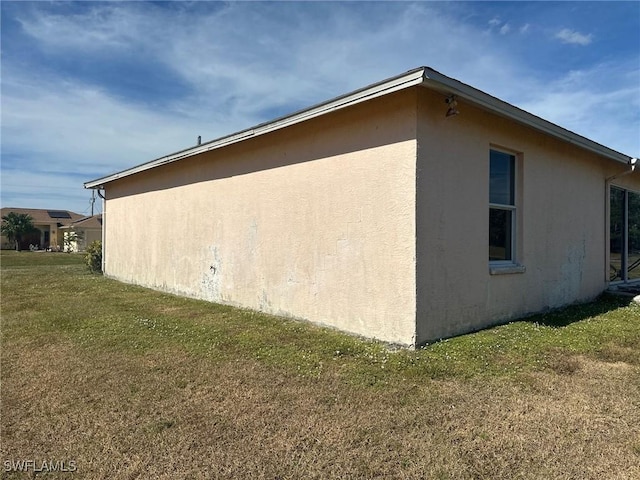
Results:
[453, 103]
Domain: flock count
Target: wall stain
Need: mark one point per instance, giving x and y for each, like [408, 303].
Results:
[211, 283]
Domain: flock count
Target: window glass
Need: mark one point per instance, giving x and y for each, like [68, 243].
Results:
[500, 228]
[616, 233]
[502, 178]
[502, 207]
[624, 235]
[633, 247]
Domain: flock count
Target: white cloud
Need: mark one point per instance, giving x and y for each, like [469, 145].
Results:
[73, 122]
[289, 60]
[497, 25]
[570, 36]
[94, 28]
[581, 101]
[58, 134]
[33, 189]
[243, 63]
[525, 28]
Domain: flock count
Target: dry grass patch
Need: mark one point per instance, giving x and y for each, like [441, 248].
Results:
[134, 384]
[172, 415]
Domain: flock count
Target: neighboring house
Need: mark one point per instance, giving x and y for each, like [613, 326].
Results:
[410, 210]
[48, 224]
[79, 234]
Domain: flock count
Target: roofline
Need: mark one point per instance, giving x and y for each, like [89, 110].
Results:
[438, 81]
[425, 76]
[400, 82]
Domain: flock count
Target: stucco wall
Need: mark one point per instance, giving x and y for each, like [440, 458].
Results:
[372, 219]
[561, 231]
[314, 222]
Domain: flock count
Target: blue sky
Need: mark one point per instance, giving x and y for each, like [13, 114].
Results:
[90, 88]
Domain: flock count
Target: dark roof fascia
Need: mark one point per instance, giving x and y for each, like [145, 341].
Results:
[425, 76]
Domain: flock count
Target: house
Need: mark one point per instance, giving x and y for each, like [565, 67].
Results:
[79, 234]
[410, 210]
[48, 224]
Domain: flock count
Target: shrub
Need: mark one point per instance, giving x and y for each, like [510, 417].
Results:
[93, 257]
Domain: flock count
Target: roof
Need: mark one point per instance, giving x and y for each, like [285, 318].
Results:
[40, 216]
[422, 76]
[92, 222]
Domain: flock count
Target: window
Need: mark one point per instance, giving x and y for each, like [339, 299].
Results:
[502, 207]
[624, 235]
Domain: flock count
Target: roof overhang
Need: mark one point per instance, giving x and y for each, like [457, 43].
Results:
[423, 76]
[437, 81]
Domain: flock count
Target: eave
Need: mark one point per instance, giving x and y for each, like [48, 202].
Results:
[423, 76]
[450, 86]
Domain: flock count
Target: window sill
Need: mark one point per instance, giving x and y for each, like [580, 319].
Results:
[506, 269]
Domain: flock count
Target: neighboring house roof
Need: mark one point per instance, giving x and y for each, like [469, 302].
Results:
[43, 216]
[87, 223]
[422, 76]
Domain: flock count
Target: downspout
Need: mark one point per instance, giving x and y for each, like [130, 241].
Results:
[104, 230]
[633, 163]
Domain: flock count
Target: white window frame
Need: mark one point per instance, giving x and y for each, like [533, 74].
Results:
[511, 265]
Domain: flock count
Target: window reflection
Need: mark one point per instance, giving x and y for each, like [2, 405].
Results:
[499, 234]
[624, 235]
[502, 207]
[502, 176]
[633, 262]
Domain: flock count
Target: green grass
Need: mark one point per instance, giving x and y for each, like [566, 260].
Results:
[135, 383]
[53, 296]
[11, 258]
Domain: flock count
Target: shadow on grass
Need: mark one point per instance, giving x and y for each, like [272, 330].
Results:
[575, 313]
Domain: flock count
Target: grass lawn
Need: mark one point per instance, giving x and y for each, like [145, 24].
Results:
[130, 383]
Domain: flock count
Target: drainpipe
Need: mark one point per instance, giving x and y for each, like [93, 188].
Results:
[104, 220]
[633, 163]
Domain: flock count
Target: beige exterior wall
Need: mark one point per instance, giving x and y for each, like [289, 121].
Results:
[372, 219]
[315, 221]
[561, 231]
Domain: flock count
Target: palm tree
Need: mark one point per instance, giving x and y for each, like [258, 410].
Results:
[15, 226]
